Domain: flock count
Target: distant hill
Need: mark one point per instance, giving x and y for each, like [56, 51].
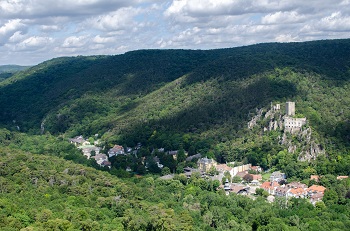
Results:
[205, 94]
[12, 68]
[7, 71]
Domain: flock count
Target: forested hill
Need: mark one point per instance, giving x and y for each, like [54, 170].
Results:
[206, 93]
[7, 71]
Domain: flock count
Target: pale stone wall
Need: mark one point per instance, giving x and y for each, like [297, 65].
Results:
[293, 124]
[241, 168]
[290, 108]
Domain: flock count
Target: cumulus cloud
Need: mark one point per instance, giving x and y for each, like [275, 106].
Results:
[102, 40]
[29, 28]
[9, 28]
[34, 43]
[118, 20]
[283, 17]
[56, 8]
[75, 42]
[335, 22]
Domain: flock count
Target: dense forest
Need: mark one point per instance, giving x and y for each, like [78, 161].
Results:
[193, 101]
[39, 192]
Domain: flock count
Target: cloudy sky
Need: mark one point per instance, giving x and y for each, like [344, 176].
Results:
[32, 31]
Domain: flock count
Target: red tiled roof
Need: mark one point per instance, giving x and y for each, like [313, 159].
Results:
[257, 176]
[223, 167]
[297, 191]
[316, 188]
[267, 185]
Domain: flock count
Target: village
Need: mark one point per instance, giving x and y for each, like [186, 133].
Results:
[235, 177]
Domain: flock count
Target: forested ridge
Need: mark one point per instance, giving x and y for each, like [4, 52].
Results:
[194, 101]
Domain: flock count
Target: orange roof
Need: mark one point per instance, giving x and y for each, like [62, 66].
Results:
[297, 191]
[314, 177]
[223, 167]
[257, 176]
[265, 184]
[268, 184]
[341, 177]
[316, 188]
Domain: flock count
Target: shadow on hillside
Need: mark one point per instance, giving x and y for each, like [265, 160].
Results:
[230, 109]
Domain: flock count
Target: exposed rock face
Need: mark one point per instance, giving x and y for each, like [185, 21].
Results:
[256, 118]
[295, 134]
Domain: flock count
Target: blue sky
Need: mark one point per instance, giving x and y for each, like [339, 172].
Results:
[32, 31]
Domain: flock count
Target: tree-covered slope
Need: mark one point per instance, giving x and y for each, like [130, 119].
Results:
[206, 93]
[40, 192]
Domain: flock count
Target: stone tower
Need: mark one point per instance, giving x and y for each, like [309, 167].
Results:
[290, 108]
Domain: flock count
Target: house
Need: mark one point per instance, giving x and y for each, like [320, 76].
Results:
[315, 193]
[281, 191]
[296, 185]
[277, 176]
[270, 187]
[241, 174]
[315, 198]
[173, 154]
[241, 168]
[157, 161]
[239, 189]
[106, 163]
[297, 193]
[116, 150]
[235, 188]
[205, 164]
[341, 177]
[188, 172]
[256, 177]
[222, 168]
[256, 168]
[100, 158]
[88, 149]
[197, 156]
[315, 189]
[293, 189]
[79, 141]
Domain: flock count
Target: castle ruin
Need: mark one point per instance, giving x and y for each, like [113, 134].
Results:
[292, 124]
[290, 108]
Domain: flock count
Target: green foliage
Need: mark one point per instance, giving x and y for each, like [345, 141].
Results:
[190, 101]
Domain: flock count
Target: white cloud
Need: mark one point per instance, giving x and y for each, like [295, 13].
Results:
[75, 42]
[99, 39]
[84, 27]
[335, 22]
[56, 8]
[283, 17]
[34, 43]
[286, 38]
[9, 28]
[50, 28]
[18, 36]
[118, 20]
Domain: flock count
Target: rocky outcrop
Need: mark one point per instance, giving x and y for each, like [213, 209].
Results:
[297, 137]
